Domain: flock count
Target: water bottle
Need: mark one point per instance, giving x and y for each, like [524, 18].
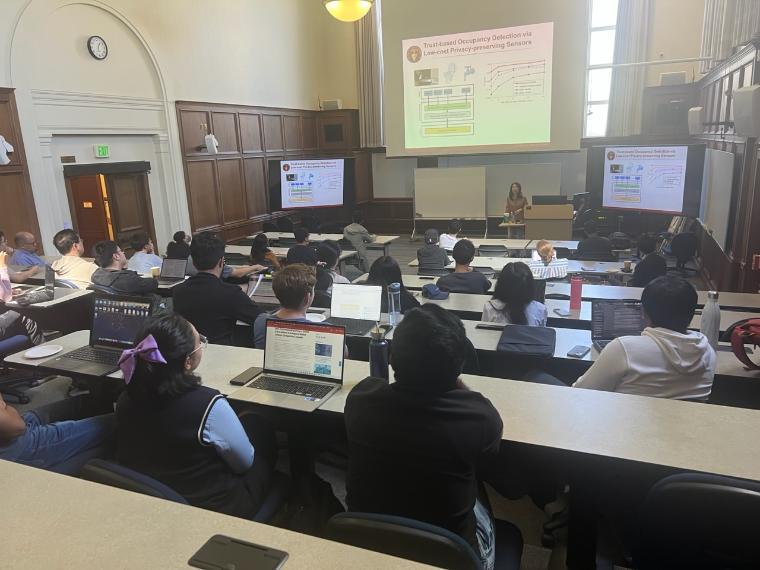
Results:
[576, 292]
[378, 355]
[710, 326]
[394, 304]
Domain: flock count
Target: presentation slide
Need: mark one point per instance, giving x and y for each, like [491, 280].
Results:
[484, 88]
[311, 183]
[645, 178]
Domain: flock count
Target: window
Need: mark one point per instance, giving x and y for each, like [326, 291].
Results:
[601, 49]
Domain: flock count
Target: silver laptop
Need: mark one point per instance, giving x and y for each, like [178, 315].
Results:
[115, 324]
[172, 272]
[613, 318]
[303, 366]
[355, 307]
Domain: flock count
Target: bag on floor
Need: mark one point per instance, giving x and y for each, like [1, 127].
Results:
[742, 333]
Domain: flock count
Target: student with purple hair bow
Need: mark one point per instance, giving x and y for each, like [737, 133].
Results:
[186, 435]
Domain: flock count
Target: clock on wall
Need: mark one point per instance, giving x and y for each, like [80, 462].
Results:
[97, 47]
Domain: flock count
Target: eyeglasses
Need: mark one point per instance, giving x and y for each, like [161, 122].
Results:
[204, 343]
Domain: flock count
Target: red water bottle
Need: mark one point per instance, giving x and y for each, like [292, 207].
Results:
[576, 292]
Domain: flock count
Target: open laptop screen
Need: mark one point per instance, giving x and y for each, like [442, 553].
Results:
[116, 322]
[173, 268]
[611, 319]
[305, 349]
[356, 301]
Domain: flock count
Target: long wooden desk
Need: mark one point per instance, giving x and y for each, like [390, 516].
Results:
[281, 252]
[571, 245]
[381, 242]
[56, 521]
[573, 265]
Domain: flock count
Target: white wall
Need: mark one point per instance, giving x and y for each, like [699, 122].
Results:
[281, 53]
[675, 32]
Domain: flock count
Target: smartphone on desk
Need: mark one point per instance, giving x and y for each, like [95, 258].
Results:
[223, 552]
[244, 377]
[578, 351]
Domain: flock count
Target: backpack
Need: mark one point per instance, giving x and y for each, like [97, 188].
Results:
[741, 333]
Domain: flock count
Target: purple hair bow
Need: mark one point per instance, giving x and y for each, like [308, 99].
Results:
[147, 350]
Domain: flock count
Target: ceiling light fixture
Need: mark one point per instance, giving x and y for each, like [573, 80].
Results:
[348, 10]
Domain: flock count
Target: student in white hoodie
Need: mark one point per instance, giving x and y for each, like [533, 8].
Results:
[667, 360]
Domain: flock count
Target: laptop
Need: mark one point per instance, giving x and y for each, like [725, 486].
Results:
[357, 308]
[172, 272]
[115, 324]
[303, 366]
[613, 318]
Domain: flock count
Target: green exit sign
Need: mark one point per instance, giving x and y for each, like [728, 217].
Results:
[102, 151]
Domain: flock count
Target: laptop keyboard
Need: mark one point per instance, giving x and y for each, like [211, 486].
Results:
[297, 388]
[90, 354]
[354, 327]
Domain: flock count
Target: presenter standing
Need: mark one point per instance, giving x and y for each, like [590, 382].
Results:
[516, 202]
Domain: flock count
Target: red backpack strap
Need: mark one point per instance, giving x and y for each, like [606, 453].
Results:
[745, 332]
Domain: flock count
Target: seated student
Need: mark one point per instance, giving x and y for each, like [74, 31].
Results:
[180, 247]
[59, 436]
[302, 252]
[328, 256]
[25, 253]
[384, 271]
[544, 252]
[184, 434]
[667, 360]
[13, 323]
[464, 279]
[144, 257]
[261, 254]
[449, 239]
[212, 305]
[112, 271]
[71, 267]
[594, 245]
[513, 300]
[416, 446]
[293, 286]
[652, 264]
[359, 237]
[431, 256]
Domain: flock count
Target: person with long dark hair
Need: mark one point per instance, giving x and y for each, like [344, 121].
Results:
[180, 247]
[516, 202]
[384, 271]
[261, 254]
[513, 300]
[184, 434]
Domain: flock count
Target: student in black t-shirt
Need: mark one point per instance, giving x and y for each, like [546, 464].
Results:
[302, 252]
[416, 445]
[594, 246]
[180, 247]
[652, 264]
[464, 279]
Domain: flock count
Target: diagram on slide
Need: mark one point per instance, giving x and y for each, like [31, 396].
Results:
[518, 81]
[311, 183]
[487, 87]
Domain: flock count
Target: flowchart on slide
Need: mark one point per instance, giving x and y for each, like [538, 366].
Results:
[490, 87]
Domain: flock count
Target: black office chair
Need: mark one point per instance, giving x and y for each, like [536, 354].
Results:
[422, 542]
[269, 227]
[11, 380]
[699, 521]
[595, 256]
[285, 225]
[492, 251]
[684, 247]
[115, 475]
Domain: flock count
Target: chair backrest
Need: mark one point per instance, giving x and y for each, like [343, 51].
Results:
[66, 284]
[684, 246]
[405, 538]
[269, 227]
[492, 250]
[346, 245]
[694, 520]
[115, 475]
[432, 272]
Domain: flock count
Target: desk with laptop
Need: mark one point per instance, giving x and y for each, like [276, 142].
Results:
[573, 265]
[381, 241]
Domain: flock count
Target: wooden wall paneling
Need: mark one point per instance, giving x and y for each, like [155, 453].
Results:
[250, 132]
[291, 127]
[256, 187]
[194, 126]
[225, 128]
[231, 189]
[309, 132]
[336, 130]
[17, 208]
[202, 194]
[273, 138]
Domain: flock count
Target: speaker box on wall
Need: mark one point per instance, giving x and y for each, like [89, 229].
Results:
[696, 120]
[747, 111]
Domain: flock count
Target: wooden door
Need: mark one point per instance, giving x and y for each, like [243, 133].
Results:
[88, 209]
[131, 210]
[17, 209]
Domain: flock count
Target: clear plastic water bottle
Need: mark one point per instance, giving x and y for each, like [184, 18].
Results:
[394, 304]
[710, 326]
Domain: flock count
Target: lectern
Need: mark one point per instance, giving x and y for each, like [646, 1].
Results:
[549, 222]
